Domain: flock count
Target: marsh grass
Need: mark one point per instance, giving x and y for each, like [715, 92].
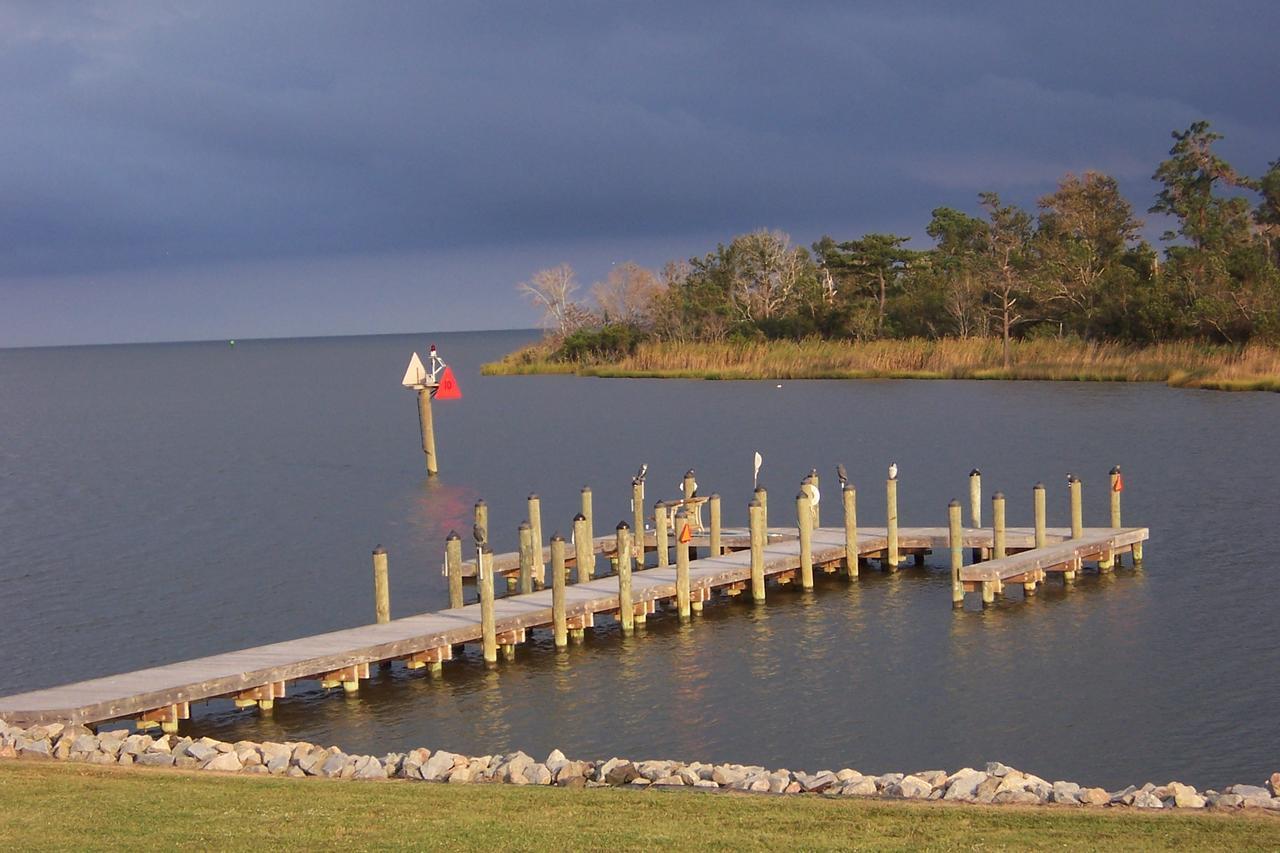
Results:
[1182, 364]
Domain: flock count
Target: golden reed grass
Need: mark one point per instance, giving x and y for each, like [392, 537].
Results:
[1184, 364]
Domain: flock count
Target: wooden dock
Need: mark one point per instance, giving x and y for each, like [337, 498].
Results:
[258, 676]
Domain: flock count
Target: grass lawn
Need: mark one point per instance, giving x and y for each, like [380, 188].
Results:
[46, 805]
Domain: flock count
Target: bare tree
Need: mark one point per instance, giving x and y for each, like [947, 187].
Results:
[767, 273]
[628, 294]
[551, 290]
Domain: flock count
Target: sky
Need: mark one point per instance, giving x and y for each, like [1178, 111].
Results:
[197, 171]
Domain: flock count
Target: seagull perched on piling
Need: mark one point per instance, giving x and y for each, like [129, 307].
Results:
[893, 470]
[479, 534]
[842, 475]
[644, 469]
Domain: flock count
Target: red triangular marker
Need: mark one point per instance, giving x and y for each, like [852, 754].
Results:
[1119, 487]
[686, 535]
[448, 387]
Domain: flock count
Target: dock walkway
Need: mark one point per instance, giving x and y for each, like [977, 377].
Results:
[163, 694]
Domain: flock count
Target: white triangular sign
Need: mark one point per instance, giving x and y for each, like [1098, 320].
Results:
[415, 374]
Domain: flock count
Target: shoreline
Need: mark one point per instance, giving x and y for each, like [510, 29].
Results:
[1183, 365]
[995, 784]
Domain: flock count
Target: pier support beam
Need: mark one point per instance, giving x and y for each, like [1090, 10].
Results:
[637, 521]
[453, 567]
[892, 557]
[755, 517]
[1037, 499]
[381, 587]
[998, 536]
[559, 627]
[484, 580]
[804, 527]
[660, 537]
[955, 539]
[535, 523]
[714, 508]
[626, 610]
[682, 568]
[584, 554]
[975, 506]
[427, 426]
[590, 532]
[1077, 509]
[849, 496]
[525, 538]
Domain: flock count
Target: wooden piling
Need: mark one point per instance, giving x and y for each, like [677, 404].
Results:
[535, 523]
[998, 538]
[482, 518]
[637, 516]
[484, 579]
[427, 426]
[687, 485]
[804, 527]
[590, 531]
[849, 496]
[584, 554]
[892, 557]
[661, 540]
[526, 557]
[1077, 508]
[975, 498]
[714, 504]
[763, 496]
[1037, 498]
[559, 625]
[956, 541]
[1115, 496]
[453, 567]
[682, 569]
[381, 590]
[626, 611]
[756, 522]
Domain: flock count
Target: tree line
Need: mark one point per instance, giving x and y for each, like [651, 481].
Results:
[1076, 267]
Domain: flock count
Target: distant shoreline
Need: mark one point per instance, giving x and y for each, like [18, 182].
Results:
[1183, 365]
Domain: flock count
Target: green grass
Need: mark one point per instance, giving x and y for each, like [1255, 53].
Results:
[1183, 364]
[70, 806]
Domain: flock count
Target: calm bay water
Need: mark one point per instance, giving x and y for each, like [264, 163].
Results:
[160, 502]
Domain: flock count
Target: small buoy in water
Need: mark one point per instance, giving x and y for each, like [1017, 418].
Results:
[231, 342]
[779, 385]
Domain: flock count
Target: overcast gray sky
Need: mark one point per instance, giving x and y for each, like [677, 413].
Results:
[212, 170]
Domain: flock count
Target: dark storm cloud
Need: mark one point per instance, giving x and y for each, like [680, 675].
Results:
[143, 136]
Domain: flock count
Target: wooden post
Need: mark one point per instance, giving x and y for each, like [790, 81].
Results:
[591, 530]
[535, 523]
[453, 567]
[755, 517]
[381, 590]
[714, 504]
[850, 497]
[891, 493]
[484, 579]
[526, 557]
[428, 430]
[482, 521]
[804, 527]
[763, 497]
[626, 611]
[998, 547]
[1037, 497]
[955, 539]
[687, 487]
[584, 553]
[1077, 509]
[975, 498]
[637, 514]
[559, 626]
[660, 534]
[682, 568]
[1115, 496]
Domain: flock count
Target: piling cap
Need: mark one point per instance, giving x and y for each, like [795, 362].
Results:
[1115, 470]
[954, 504]
[813, 472]
[579, 517]
[525, 525]
[689, 473]
[759, 489]
[998, 496]
[848, 487]
[378, 550]
[658, 504]
[975, 473]
[480, 502]
[533, 496]
[453, 534]
[586, 488]
[622, 525]
[556, 537]
[1039, 486]
[681, 513]
[754, 504]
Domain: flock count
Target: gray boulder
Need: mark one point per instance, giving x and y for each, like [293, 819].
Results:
[910, 788]
[1066, 793]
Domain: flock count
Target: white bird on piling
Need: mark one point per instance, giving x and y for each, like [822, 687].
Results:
[893, 470]
[644, 469]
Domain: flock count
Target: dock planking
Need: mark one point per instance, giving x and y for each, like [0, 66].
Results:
[162, 695]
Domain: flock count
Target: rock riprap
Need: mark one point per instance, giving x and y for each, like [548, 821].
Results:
[995, 784]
